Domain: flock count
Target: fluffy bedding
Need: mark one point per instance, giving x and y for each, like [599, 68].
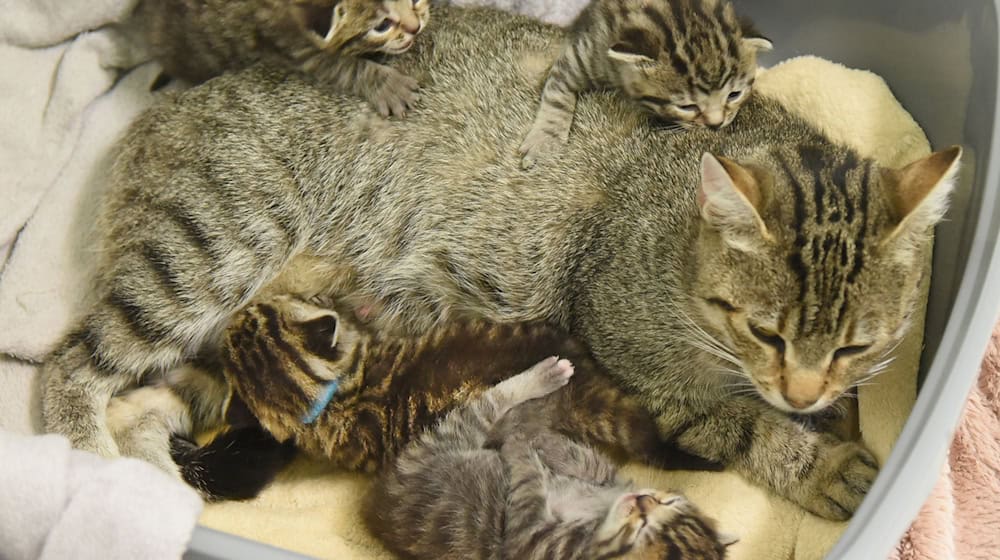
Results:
[69, 100]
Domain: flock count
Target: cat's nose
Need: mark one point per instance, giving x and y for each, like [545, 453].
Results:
[802, 390]
[714, 119]
[410, 25]
[645, 504]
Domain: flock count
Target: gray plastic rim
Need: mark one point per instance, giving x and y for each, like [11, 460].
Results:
[914, 465]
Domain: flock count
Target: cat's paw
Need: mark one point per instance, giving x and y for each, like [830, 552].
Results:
[396, 94]
[547, 376]
[840, 480]
[539, 143]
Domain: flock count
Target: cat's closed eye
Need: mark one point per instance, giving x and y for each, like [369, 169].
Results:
[722, 304]
[384, 26]
[768, 337]
[734, 95]
[690, 108]
[848, 351]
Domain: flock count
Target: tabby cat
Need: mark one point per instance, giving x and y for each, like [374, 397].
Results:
[331, 40]
[690, 62]
[315, 376]
[789, 267]
[541, 496]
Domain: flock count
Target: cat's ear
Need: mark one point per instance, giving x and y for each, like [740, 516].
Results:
[320, 331]
[918, 195]
[237, 413]
[635, 47]
[728, 539]
[730, 199]
[752, 37]
[321, 23]
[758, 44]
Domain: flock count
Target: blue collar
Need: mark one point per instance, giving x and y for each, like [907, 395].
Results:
[321, 402]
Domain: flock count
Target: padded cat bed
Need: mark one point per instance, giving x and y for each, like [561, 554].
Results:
[927, 53]
[853, 107]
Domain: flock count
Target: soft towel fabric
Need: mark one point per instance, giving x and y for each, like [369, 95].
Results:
[62, 111]
[62, 503]
[961, 519]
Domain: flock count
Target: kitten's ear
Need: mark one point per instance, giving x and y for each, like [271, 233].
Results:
[237, 413]
[918, 195]
[321, 23]
[728, 539]
[752, 37]
[320, 332]
[730, 198]
[758, 44]
[636, 47]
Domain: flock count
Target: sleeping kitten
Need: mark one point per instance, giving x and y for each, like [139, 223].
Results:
[691, 62]
[542, 496]
[329, 39]
[317, 377]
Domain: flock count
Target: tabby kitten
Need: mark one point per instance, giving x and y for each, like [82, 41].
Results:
[690, 62]
[331, 40]
[317, 376]
[790, 266]
[541, 496]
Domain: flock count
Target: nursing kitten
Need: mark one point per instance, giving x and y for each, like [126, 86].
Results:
[538, 495]
[315, 376]
[690, 62]
[790, 267]
[329, 39]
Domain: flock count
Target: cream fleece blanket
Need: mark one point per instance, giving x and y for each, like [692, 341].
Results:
[314, 510]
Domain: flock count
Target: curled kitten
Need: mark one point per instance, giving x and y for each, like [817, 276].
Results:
[540, 496]
[331, 40]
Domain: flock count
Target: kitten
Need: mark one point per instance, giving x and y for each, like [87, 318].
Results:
[331, 40]
[541, 496]
[696, 267]
[690, 62]
[315, 376]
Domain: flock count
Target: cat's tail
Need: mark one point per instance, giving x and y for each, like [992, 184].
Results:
[598, 411]
[236, 465]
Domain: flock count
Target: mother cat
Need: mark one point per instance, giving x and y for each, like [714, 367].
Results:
[795, 269]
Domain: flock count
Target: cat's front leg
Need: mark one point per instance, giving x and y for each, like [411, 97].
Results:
[388, 90]
[825, 475]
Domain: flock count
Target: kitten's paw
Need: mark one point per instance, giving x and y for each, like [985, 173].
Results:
[841, 478]
[548, 375]
[395, 95]
[537, 144]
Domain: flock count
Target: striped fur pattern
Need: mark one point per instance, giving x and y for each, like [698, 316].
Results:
[465, 491]
[689, 62]
[331, 40]
[281, 355]
[637, 244]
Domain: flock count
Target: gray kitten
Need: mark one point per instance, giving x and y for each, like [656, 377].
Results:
[697, 266]
[541, 496]
[331, 40]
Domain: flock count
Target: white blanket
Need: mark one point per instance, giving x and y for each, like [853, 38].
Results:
[61, 111]
[62, 503]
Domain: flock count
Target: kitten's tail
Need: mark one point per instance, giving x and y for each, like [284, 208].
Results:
[236, 465]
[596, 410]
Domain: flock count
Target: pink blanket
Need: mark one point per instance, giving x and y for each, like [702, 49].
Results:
[961, 518]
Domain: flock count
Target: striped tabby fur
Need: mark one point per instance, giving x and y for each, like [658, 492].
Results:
[657, 258]
[690, 62]
[464, 491]
[331, 40]
[281, 355]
